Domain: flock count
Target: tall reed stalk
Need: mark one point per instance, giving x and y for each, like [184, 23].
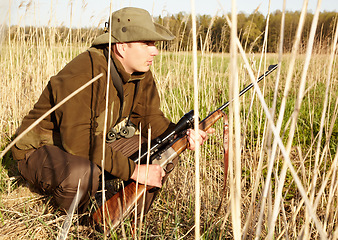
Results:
[196, 124]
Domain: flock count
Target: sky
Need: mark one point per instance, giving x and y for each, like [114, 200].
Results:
[93, 13]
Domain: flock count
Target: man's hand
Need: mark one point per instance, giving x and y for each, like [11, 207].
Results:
[155, 174]
[197, 138]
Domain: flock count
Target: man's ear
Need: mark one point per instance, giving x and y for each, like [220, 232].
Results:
[120, 49]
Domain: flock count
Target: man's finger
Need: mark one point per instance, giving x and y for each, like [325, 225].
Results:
[191, 143]
[211, 131]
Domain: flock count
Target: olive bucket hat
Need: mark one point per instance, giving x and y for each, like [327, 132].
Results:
[133, 24]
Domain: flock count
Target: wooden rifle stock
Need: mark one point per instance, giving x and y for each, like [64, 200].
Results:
[121, 204]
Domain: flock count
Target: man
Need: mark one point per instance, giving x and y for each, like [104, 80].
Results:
[67, 145]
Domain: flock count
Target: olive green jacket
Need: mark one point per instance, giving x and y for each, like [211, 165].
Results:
[77, 126]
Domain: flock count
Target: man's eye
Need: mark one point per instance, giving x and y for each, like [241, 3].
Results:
[149, 43]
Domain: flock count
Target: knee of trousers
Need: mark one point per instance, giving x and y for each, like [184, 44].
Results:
[55, 172]
[83, 176]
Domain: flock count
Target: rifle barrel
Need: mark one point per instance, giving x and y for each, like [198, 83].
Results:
[270, 70]
[187, 120]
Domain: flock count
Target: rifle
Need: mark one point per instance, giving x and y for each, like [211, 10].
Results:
[163, 151]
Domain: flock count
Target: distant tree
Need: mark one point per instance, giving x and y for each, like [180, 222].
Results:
[241, 21]
[274, 31]
[327, 24]
[252, 35]
[253, 29]
[204, 22]
[220, 35]
[306, 31]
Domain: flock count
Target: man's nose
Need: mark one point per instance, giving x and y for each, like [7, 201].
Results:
[154, 50]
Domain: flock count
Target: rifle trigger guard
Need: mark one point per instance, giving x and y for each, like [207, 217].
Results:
[169, 167]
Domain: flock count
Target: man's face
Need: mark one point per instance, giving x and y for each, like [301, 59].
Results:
[139, 56]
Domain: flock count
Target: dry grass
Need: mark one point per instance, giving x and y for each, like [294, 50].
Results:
[28, 215]
[271, 203]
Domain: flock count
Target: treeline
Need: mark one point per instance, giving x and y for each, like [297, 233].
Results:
[51, 35]
[213, 32]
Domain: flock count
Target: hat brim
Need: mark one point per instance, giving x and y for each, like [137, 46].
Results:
[133, 35]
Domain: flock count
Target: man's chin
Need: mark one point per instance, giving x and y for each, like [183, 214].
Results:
[145, 69]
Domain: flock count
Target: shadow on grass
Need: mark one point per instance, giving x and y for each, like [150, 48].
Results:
[10, 177]
[10, 165]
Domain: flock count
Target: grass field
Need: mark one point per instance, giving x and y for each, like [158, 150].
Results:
[273, 201]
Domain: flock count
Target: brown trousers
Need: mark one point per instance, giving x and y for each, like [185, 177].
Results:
[55, 172]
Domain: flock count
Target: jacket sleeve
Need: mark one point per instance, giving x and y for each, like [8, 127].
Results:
[76, 118]
[147, 110]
